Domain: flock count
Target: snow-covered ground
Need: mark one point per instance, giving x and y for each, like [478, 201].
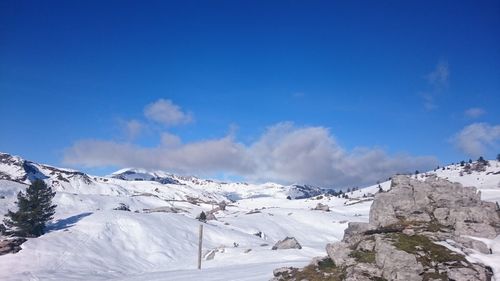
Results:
[90, 241]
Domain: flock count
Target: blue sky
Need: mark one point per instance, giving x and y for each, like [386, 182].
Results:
[411, 83]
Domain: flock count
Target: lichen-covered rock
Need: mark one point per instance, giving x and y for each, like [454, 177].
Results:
[287, 243]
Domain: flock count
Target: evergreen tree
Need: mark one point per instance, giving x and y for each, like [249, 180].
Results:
[35, 209]
[498, 157]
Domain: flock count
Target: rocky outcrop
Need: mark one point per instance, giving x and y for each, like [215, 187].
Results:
[210, 254]
[287, 243]
[399, 242]
[12, 245]
[436, 201]
[322, 207]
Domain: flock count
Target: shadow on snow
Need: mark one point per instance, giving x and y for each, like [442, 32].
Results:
[67, 222]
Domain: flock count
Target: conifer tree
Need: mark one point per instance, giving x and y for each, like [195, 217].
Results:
[202, 217]
[35, 209]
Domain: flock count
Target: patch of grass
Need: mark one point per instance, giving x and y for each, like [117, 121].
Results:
[325, 271]
[432, 226]
[424, 249]
[393, 228]
[363, 256]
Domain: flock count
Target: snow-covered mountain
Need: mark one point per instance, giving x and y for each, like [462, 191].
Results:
[157, 238]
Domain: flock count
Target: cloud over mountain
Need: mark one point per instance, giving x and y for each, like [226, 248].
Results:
[284, 153]
[478, 138]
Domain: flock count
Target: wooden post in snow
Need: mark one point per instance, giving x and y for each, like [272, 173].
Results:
[200, 242]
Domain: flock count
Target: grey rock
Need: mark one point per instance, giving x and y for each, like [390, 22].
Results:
[287, 243]
[366, 245]
[441, 215]
[382, 211]
[362, 272]
[282, 271]
[316, 260]
[450, 204]
[396, 264]
[210, 254]
[436, 209]
[409, 231]
[464, 273]
[322, 207]
[11, 246]
[473, 244]
[355, 231]
[475, 229]
[222, 205]
[339, 253]
[211, 216]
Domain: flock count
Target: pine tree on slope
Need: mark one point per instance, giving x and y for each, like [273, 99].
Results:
[35, 209]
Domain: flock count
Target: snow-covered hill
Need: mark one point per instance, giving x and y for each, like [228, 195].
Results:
[157, 239]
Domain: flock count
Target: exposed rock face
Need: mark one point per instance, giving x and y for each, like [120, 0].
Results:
[399, 242]
[211, 216]
[322, 207]
[210, 254]
[437, 200]
[287, 243]
[396, 264]
[11, 245]
[339, 253]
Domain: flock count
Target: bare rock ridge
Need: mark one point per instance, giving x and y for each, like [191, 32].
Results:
[399, 242]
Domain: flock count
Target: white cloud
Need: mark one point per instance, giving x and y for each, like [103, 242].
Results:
[437, 83]
[170, 140]
[429, 102]
[198, 157]
[284, 153]
[132, 128]
[439, 76]
[478, 138]
[474, 112]
[167, 113]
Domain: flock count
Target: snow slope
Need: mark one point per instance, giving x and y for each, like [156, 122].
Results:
[157, 239]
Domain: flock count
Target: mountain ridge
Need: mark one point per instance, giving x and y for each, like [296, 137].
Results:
[92, 236]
